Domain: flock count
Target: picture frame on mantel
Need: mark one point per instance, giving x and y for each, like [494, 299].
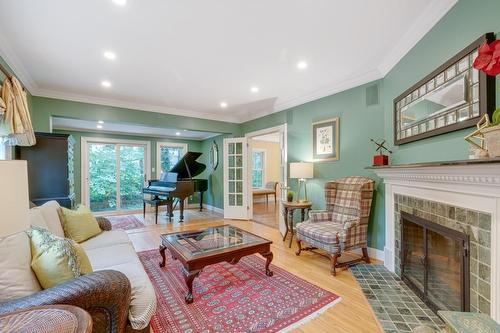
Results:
[452, 97]
[326, 140]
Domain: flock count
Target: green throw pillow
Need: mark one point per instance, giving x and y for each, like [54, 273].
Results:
[79, 224]
[56, 260]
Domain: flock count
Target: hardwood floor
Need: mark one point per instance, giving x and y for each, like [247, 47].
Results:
[352, 314]
[266, 214]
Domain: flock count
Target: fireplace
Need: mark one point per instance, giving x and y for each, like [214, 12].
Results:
[435, 263]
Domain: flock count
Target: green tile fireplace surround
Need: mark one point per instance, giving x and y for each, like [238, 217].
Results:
[464, 23]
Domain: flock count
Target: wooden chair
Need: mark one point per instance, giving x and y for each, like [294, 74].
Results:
[343, 226]
[269, 189]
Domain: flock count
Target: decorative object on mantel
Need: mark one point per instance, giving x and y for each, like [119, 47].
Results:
[380, 159]
[453, 97]
[492, 134]
[15, 120]
[326, 140]
[476, 138]
[488, 58]
[301, 171]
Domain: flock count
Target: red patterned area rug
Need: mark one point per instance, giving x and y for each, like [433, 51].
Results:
[233, 298]
[125, 222]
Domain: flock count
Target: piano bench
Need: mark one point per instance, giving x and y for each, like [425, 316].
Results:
[157, 202]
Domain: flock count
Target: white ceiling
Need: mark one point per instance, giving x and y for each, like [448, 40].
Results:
[63, 123]
[187, 56]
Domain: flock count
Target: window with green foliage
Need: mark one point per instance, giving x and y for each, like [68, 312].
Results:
[170, 156]
[258, 167]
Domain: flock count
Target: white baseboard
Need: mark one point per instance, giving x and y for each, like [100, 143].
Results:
[373, 253]
[207, 207]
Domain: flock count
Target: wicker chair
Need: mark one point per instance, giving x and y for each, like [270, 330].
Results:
[343, 225]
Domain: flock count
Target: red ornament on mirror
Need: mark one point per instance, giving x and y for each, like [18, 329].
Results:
[488, 58]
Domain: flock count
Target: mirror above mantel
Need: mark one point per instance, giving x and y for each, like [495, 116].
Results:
[452, 97]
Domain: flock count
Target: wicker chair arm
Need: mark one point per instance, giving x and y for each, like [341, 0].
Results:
[105, 295]
[320, 216]
[104, 223]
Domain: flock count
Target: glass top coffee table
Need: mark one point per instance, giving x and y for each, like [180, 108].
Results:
[197, 249]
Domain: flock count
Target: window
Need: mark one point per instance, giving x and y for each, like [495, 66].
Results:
[168, 154]
[4, 151]
[258, 168]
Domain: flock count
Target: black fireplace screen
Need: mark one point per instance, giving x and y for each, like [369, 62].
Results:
[435, 263]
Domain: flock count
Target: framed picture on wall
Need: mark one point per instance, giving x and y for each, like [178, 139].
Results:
[326, 140]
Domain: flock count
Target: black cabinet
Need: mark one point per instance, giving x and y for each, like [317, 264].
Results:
[50, 168]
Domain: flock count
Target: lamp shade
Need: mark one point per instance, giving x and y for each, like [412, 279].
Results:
[14, 198]
[301, 170]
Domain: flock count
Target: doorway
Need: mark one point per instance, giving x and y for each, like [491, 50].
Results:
[268, 175]
[114, 173]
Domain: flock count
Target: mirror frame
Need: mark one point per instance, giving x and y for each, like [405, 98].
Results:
[214, 156]
[486, 96]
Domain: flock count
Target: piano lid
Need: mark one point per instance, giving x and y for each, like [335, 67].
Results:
[187, 166]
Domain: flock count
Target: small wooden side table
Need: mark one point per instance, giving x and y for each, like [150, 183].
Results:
[288, 209]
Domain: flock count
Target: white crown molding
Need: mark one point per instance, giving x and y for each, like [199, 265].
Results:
[355, 81]
[131, 105]
[12, 60]
[434, 12]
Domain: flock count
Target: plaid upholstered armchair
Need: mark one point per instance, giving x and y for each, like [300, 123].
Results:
[343, 225]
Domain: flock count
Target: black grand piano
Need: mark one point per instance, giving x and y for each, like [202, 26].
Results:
[176, 185]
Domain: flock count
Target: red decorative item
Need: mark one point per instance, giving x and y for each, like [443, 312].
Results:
[488, 59]
[380, 160]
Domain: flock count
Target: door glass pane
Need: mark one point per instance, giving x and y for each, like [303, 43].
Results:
[443, 276]
[235, 173]
[102, 176]
[131, 176]
[169, 156]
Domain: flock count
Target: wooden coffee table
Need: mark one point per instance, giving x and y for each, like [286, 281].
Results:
[197, 249]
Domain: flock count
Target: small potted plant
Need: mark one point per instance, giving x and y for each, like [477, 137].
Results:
[492, 135]
[289, 196]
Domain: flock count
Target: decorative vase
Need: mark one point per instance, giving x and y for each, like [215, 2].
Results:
[492, 140]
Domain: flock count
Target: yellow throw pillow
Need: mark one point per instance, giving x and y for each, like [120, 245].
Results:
[79, 224]
[56, 260]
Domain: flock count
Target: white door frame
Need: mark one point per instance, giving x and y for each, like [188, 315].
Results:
[169, 144]
[84, 172]
[282, 129]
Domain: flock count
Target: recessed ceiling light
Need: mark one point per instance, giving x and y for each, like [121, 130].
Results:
[120, 2]
[223, 105]
[100, 122]
[99, 126]
[302, 65]
[254, 89]
[106, 84]
[177, 133]
[110, 55]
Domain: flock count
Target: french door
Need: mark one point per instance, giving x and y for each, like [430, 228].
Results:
[114, 173]
[236, 179]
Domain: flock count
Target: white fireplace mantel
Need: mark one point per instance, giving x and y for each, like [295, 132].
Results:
[472, 184]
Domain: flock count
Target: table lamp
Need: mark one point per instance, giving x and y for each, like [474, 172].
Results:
[301, 171]
[14, 198]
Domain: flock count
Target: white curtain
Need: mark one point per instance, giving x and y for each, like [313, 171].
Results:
[15, 127]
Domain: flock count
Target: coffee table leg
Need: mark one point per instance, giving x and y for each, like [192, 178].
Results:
[189, 277]
[162, 253]
[269, 258]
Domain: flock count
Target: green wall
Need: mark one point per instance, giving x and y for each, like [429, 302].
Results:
[214, 196]
[464, 23]
[192, 146]
[358, 123]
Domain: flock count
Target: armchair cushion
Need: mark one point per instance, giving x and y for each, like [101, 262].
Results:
[325, 235]
[320, 216]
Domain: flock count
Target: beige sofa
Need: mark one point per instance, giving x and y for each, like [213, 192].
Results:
[110, 250]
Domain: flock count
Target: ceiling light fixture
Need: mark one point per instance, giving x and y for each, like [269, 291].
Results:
[100, 122]
[120, 2]
[302, 65]
[177, 133]
[99, 126]
[106, 84]
[254, 89]
[110, 55]
[223, 105]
